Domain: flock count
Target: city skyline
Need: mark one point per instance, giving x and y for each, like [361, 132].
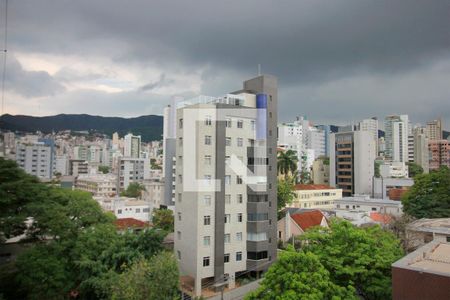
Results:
[75, 58]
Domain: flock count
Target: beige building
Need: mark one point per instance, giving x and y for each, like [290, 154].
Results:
[321, 172]
[98, 184]
[434, 130]
[315, 196]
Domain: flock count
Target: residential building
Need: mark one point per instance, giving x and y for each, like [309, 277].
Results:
[37, 158]
[393, 169]
[423, 231]
[78, 166]
[225, 208]
[421, 153]
[396, 137]
[423, 274]
[366, 204]
[291, 226]
[132, 208]
[439, 153]
[370, 125]
[98, 184]
[352, 156]
[434, 130]
[169, 149]
[62, 165]
[132, 146]
[315, 196]
[9, 140]
[320, 172]
[390, 187]
[132, 170]
[154, 193]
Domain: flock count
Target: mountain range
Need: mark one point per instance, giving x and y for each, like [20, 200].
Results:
[150, 127]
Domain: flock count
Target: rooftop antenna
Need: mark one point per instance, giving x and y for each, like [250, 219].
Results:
[259, 69]
[5, 50]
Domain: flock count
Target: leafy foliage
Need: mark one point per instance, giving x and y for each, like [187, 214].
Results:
[287, 162]
[285, 193]
[414, 169]
[429, 197]
[299, 275]
[360, 257]
[163, 219]
[103, 169]
[156, 278]
[133, 190]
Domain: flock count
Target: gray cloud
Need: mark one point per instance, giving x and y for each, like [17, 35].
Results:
[162, 81]
[335, 59]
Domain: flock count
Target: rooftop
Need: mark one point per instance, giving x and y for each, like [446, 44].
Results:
[126, 223]
[313, 187]
[441, 225]
[433, 258]
[308, 219]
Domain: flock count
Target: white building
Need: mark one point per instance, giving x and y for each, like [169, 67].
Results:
[352, 156]
[132, 170]
[396, 138]
[132, 146]
[383, 185]
[124, 207]
[98, 184]
[154, 192]
[394, 169]
[366, 204]
[62, 164]
[36, 158]
[315, 196]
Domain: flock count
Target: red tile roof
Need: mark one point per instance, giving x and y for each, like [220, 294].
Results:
[126, 223]
[396, 194]
[380, 218]
[313, 187]
[308, 219]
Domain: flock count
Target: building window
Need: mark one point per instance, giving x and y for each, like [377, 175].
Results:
[207, 220]
[227, 160]
[240, 142]
[206, 240]
[240, 124]
[227, 218]
[207, 200]
[180, 178]
[228, 199]
[138, 210]
[179, 216]
[227, 179]
[208, 121]
[180, 123]
[226, 238]
[239, 198]
[238, 179]
[206, 261]
[228, 123]
[180, 141]
[208, 179]
[239, 236]
[179, 235]
[253, 124]
[207, 140]
[239, 217]
[238, 256]
[208, 160]
[257, 255]
[226, 258]
[119, 211]
[227, 141]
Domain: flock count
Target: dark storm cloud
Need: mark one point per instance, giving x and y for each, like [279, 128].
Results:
[162, 81]
[309, 45]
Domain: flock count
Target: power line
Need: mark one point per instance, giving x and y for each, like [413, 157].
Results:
[5, 52]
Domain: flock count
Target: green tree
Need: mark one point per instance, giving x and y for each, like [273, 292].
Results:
[429, 197]
[305, 173]
[285, 193]
[133, 190]
[103, 169]
[360, 257]
[299, 275]
[163, 219]
[156, 278]
[414, 169]
[376, 166]
[287, 162]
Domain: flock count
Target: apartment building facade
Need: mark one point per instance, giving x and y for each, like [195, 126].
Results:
[396, 138]
[36, 158]
[132, 170]
[225, 185]
[439, 154]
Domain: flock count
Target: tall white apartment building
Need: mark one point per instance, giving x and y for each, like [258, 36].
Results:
[352, 156]
[132, 170]
[371, 125]
[36, 158]
[132, 146]
[421, 153]
[396, 138]
[225, 208]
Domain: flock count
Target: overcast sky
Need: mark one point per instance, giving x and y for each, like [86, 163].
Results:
[336, 61]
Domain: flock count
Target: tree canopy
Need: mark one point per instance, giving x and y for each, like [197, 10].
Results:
[299, 275]
[287, 162]
[285, 193]
[360, 257]
[163, 219]
[429, 197]
[133, 190]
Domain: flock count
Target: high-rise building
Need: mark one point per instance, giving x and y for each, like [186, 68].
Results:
[37, 158]
[434, 130]
[439, 153]
[396, 138]
[352, 158]
[421, 153]
[370, 125]
[132, 170]
[132, 146]
[226, 184]
[169, 148]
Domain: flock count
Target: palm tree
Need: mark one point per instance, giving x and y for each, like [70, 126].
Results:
[287, 163]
